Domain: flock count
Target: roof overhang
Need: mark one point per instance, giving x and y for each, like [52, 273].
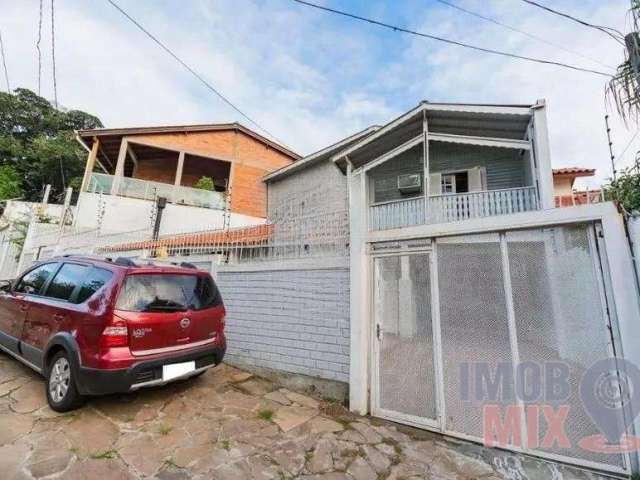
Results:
[114, 135]
[318, 156]
[506, 122]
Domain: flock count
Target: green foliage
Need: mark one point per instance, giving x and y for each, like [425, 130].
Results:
[266, 414]
[205, 183]
[625, 190]
[9, 183]
[38, 142]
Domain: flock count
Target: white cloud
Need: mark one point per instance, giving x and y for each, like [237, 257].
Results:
[312, 78]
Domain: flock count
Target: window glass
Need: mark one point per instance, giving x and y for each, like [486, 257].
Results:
[93, 282]
[66, 280]
[33, 281]
[163, 293]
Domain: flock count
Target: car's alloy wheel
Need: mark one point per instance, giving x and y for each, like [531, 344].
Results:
[59, 379]
[62, 391]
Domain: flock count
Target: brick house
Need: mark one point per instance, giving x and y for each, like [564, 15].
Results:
[127, 168]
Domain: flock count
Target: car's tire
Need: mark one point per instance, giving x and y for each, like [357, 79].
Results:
[62, 393]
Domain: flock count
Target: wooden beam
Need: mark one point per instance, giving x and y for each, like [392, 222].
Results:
[134, 157]
[119, 173]
[91, 161]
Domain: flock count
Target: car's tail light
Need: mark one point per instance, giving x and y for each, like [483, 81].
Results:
[115, 335]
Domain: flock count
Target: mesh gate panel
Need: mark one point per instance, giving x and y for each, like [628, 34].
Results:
[403, 310]
[559, 317]
[473, 318]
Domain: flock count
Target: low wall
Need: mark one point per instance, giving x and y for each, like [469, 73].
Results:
[292, 317]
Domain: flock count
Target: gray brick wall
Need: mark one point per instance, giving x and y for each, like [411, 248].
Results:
[323, 177]
[294, 321]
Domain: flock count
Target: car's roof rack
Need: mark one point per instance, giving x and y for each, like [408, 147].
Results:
[125, 262]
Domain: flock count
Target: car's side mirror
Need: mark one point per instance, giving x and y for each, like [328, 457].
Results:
[5, 286]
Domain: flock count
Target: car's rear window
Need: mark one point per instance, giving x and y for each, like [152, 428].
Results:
[168, 292]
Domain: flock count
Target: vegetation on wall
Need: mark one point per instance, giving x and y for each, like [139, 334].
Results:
[205, 183]
[625, 189]
[37, 143]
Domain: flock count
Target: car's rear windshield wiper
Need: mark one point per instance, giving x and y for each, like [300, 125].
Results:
[165, 308]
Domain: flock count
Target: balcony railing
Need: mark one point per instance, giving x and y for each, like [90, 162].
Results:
[452, 207]
[149, 190]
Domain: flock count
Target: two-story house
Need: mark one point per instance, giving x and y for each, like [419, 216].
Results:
[127, 169]
[460, 263]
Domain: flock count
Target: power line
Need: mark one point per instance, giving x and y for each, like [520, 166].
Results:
[635, 135]
[4, 64]
[603, 29]
[192, 71]
[53, 54]
[396, 28]
[38, 48]
[514, 29]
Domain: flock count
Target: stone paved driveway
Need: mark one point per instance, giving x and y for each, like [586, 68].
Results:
[227, 424]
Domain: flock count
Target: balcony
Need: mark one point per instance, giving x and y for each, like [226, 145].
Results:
[451, 207]
[149, 190]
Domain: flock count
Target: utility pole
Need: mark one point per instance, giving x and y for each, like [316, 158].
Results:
[613, 161]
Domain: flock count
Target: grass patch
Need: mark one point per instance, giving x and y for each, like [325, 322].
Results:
[349, 453]
[106, 455]
[308, 456]
[635, 476]
[169, 463]
[396, 448]
[266, 414]
[225, 444]
[164, 429]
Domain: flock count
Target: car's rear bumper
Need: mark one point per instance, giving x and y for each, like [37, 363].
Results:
[93, 381]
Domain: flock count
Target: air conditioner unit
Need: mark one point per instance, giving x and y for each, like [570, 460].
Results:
[410, 183]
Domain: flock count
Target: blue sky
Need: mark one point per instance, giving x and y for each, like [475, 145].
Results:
[310, 77]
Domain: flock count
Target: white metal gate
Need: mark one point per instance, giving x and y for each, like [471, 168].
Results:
[534, 296]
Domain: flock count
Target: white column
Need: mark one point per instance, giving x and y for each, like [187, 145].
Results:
[119, 173]
[542, 154]
[360, 316]
[624, 290]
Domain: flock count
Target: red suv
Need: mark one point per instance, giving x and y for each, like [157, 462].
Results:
[95, 326]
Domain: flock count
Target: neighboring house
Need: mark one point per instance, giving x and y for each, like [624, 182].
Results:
[128, 168]
[563, 187]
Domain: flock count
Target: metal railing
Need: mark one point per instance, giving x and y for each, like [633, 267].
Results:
[149, 190]
[397, 213]
[465, 206]
[584, 197]
[452, 207]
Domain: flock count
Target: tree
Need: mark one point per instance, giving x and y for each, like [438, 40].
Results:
[37, 141]
[205, 183]
[625, 190]
[9, 183]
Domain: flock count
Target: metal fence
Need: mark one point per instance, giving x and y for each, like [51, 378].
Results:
[311, 236]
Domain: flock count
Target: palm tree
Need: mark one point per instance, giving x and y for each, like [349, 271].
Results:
[624, 87]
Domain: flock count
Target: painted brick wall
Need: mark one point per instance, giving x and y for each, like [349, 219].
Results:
[250, 159]
[324, 177]
[289, 320]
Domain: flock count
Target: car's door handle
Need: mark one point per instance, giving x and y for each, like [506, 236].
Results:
[24, 307]
[58, 317]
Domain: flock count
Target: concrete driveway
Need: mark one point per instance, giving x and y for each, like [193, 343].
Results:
[227, 424]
